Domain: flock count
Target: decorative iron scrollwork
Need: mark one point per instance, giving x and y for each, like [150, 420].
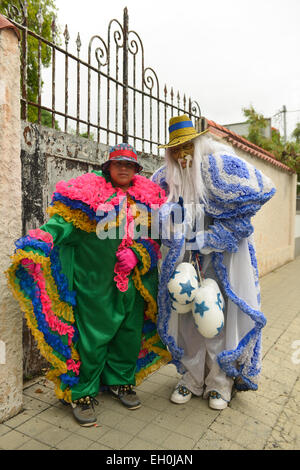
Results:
[18, 14]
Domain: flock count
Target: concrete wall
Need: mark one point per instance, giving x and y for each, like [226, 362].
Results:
[11, 378]
[297, 234]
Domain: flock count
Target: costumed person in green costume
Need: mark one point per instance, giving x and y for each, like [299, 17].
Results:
[87, 282]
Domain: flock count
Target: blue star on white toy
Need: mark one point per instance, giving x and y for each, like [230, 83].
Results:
[172, 296]
[220, 328]
[186, 288]
[174, 274]
[219, 301]
[201, 308]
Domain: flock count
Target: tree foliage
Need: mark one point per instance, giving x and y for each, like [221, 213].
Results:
[48, 10]
[286, 152]
[296, 133]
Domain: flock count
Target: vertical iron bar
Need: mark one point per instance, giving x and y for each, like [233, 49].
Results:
[67, 37]
[172, 98]
[24, 108]
[40, 22]
[108, 89]
[143, 108]
[78, 43]
[125, 76]
[165, 106]
[53, 27]
[151, 121]
[98, 103]
[190, 107]
[89, 92]
[178, 103]
[158, 117]
[134, 100]
[117, 92]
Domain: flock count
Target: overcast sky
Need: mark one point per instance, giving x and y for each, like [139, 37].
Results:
[225, 54]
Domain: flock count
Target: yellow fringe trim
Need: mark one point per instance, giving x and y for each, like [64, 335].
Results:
[82, 221]
[141, 217]
[74, 354]
[26, 305]
[76, 216]
[146, 259]
[61, 394]
[106, 226]
[149, 345]
[163, 353]
[142, 374]
[151, 310]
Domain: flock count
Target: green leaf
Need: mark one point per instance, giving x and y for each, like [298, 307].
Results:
[48, 9]
[286, 152]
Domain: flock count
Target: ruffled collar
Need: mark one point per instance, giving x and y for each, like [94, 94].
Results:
[93, 189]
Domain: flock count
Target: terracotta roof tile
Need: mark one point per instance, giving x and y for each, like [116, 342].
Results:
[244, 144]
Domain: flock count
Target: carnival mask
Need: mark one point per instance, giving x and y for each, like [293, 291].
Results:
[183, 154]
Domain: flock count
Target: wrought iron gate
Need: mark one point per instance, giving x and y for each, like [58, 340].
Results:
[109, 94]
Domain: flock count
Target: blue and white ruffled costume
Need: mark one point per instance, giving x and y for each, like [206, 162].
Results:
[236, 190]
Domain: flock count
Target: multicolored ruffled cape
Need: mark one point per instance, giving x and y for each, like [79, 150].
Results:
[236, 190]
[91, 204]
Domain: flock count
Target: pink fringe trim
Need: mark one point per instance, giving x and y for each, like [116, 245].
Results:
[95, 190]
[41, 235]
[74, 366]
[54, 323]
[143, 353]
[121, 277]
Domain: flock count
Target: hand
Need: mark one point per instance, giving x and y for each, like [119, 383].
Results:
[127, 259]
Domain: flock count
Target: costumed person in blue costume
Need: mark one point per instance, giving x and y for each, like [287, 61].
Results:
[220, 193]
[87, 282]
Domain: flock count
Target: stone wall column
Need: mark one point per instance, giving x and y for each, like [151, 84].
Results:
[11, 373]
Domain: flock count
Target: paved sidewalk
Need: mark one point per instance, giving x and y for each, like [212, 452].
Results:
[266, 419]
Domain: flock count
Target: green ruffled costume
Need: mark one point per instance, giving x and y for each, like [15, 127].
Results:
[94, 324]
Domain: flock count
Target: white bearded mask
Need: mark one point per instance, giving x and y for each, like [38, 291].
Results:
[184, 176]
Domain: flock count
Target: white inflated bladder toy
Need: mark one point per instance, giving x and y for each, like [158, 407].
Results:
[208, 308]
[180, 308]
[190, 292]
[183, 286]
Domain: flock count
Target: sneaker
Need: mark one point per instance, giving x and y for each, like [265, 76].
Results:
[181, 395]
[83, 411]
[216, 402]
[126, 395]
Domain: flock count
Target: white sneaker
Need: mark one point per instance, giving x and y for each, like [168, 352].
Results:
[216, 402]
[181, 395]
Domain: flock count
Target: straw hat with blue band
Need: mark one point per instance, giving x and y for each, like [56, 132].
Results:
[181, 130]
[121, 152]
